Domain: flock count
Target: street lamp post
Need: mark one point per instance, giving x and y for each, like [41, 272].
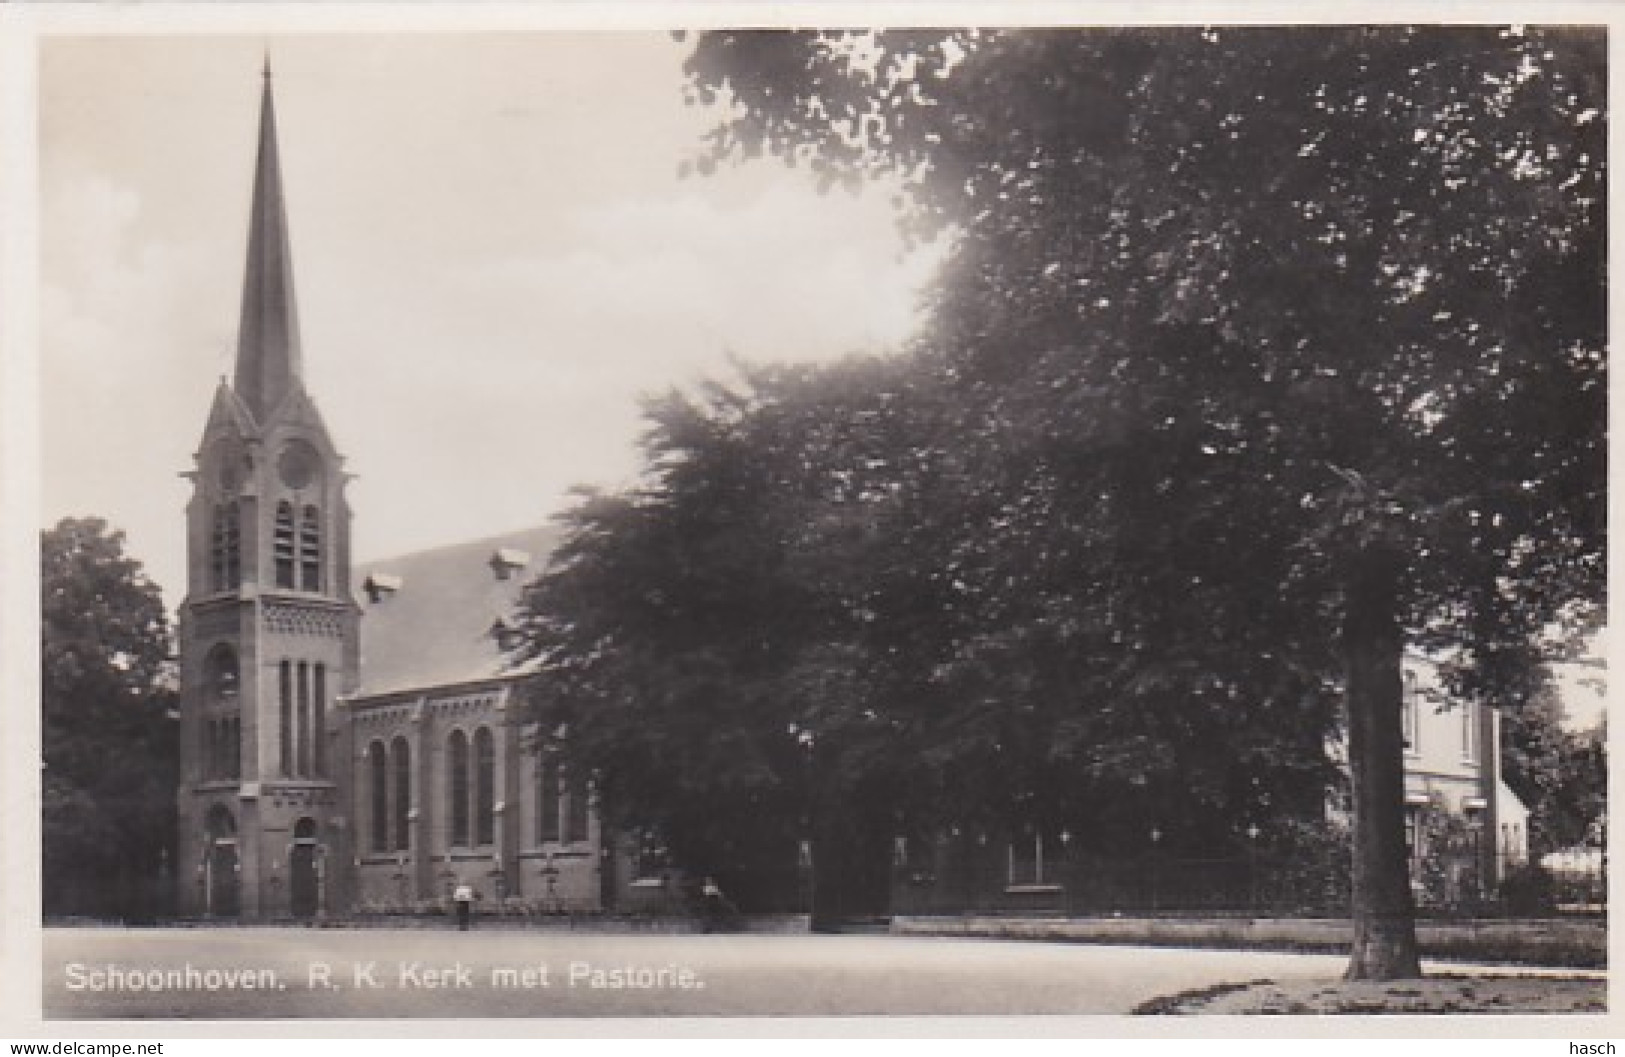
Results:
[807, 852]
[1066, 871]
[1156, 838]
[1252, 867]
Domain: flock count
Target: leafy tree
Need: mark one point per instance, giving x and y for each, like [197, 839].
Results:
[108, 739]
[1561, 774]
[831, 611]
[1336, 290]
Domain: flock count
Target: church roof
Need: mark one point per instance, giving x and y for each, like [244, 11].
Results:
[268, 336]
[432, 618]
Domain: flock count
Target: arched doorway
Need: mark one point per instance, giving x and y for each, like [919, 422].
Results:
[221, 870]
[304, 895]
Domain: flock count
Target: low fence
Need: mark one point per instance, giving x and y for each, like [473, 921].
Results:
[1580, 943]
[1254, 885]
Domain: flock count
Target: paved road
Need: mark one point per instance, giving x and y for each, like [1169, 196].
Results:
[265, 973]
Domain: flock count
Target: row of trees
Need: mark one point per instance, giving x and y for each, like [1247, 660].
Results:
[1258, 353]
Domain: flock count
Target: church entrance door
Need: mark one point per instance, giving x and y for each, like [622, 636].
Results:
[222, 880]
[304, 894]
[221, 874]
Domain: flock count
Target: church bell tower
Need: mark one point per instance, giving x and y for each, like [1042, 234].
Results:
[268, 629]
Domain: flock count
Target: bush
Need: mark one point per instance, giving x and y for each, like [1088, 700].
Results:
[1529, 890]
[1314, 871]
[1450, 875]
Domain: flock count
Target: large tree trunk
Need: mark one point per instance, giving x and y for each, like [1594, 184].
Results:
[1384, 915]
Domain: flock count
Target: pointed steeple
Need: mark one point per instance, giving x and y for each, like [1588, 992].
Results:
[268, 337]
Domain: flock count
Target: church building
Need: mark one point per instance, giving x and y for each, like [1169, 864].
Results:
[351, 739]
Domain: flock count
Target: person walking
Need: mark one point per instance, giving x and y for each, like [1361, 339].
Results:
[716, 911]
[463, 897]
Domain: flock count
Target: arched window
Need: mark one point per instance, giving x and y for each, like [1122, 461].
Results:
[220, 678]
[458, 751]
[485, 786]
[576, 801]
[310, 550]
[547, 800]
[284, 684]
[378, 791]
[282, 545]
[319, 721]
[225, 548]
[301, 764]
[400, 761]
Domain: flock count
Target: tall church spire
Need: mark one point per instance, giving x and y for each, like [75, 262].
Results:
[268, 338]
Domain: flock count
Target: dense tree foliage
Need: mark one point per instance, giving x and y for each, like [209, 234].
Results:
[109, 742]
[1331, 298]
[1561, 774]
[832, 613]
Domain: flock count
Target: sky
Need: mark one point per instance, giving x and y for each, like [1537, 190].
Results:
[495, 259]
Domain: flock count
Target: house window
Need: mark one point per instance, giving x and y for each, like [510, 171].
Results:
[400, 760]
[282, 546]
[378, 772]
[1413, 837]
[1412, 715]
[576, 802]
[650, 858]
[1026, 864]
[547, 801]
[459, 787]
[485, 785]
[310, 550]
[1475, 829]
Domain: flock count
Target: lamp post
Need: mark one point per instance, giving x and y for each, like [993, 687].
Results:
[1252, 867]
[806, 853]
[1066, 871]
[1156, 838]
